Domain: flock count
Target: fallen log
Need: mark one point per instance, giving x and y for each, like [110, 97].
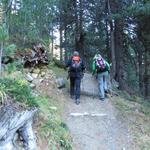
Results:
[13, 121]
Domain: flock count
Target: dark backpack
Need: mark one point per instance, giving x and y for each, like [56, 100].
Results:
[76, 63]
[100, 64]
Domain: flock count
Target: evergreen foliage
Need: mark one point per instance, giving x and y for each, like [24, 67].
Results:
[113, 27]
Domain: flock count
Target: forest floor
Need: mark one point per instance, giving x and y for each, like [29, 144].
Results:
[121, 122]
[98, 125]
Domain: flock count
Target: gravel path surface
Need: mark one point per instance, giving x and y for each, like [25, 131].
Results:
[94, 124]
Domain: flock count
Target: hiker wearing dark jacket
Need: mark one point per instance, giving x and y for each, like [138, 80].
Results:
[76, 68]
[102, 68]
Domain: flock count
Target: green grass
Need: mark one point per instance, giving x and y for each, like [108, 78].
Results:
[52, 128]
[145, 108]
[136, 112]
[57, 135]
[60, 72]
[19, 90]
[121, 105]
[126, 99]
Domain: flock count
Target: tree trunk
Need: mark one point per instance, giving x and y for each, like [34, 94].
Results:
[1, 54]
[52, 48]
[113, 53]
[108, 51]
[119, 52]
[81, 33]
[143, 35]
[1, 15]
[117, 39]
[112, 41]
[6, 15]
[13, 121]
[147, 73]
[140, 71]
[61, 40]
[1, 43]
[65, 47]
[76, 26]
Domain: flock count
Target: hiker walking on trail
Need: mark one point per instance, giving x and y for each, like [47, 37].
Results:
[101, 67]
[75, 73]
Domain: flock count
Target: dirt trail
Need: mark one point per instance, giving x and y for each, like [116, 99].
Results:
[94, 124]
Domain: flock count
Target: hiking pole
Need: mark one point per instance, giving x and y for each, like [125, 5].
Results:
[82, 83]
[93, 92]
[93, 88]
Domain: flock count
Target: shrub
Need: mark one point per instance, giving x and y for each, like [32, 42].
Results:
[18, 90]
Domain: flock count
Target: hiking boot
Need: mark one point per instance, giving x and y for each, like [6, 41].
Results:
[102, 98]
[106, 95]
[77, 101]
[72, 97]
[106, 92]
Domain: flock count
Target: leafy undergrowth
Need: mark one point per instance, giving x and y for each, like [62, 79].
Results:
[60, 72]
[18, 90]
[52, 132]
[136, 113]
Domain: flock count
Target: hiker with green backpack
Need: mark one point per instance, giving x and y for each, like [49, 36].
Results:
[101, 68]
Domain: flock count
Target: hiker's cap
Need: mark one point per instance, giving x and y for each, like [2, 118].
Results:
[98, 51]
[97, 56]
[75, 53]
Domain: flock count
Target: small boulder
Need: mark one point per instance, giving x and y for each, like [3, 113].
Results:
[34, 75]
[41, 80]
[29, 78]
[32, 86]
[43, 74]
[115, 84]
[36, 81]
[36, 71]
[60, 83]
[53, 108]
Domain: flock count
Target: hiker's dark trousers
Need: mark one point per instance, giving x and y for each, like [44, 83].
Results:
[75, 87]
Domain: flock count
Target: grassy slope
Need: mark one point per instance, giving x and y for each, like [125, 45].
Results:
[134, 110]
[136, 113]
[53, 132]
